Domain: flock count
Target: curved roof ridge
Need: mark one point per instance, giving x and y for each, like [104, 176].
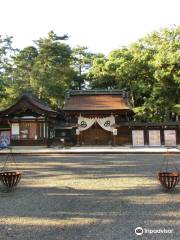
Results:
[97, 92]
[26, 100]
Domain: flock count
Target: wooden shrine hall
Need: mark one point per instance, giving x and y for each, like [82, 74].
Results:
[97, 115]
[88, 117]
[28, 122]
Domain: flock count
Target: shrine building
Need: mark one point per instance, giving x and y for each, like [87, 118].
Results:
[88, 118]
[28, 122]
[98, 116]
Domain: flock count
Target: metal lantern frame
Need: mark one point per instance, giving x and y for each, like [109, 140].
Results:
[168, 179]
[10, 179]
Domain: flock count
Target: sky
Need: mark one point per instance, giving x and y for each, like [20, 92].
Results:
[101, 25]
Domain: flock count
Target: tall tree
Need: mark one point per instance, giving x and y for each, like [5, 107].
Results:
[52, 70]
[81, 61]
[166, 64]
[148, 69]
[23, 63]
[44, 70]
[101, 75]
[6, 51]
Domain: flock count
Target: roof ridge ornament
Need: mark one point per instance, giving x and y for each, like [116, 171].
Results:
[71, 92]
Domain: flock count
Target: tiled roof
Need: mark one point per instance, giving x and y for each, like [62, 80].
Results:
[28, 102]
[36, 102]
[96, 102]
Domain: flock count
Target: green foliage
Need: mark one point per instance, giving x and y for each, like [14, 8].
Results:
[100, 74]
[176, 108]
[23, 63]
[51, 71]
[148, 69]
[43, 70]
[81, 62]
[6, 51]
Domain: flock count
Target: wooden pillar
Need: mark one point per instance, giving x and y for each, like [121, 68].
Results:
[130, 135]
[78, 137]
[78, 140]
[46, 137]
[146, 136]
[37, 133]
[114, 134]
[162, 136]
[96, 134]
[178, 135]
[48, 133]
[114, 140]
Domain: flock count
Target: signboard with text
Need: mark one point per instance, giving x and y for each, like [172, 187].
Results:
[138, 138]
[154, 138]
[170, 137]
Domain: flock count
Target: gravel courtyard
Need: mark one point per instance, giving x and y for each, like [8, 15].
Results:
[95, 197]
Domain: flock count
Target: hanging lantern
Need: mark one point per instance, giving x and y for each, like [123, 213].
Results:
[10, 179]
[168, 179]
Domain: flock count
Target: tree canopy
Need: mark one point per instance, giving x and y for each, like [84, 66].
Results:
[149, 70]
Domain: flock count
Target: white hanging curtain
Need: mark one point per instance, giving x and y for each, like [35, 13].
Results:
[85, 123]
[106, 122]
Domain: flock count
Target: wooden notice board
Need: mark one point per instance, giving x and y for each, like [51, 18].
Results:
[154, 138]
[170, 137]
[138, 137]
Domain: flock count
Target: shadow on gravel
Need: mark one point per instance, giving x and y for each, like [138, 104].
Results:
[68, 211]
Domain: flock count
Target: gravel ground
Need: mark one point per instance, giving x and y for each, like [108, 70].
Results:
[102, 197]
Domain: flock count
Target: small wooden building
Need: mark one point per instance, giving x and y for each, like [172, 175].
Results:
[28, 122]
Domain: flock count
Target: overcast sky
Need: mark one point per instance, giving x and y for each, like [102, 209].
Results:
[101, 25]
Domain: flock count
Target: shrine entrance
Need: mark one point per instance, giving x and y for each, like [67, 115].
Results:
[95, 135]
